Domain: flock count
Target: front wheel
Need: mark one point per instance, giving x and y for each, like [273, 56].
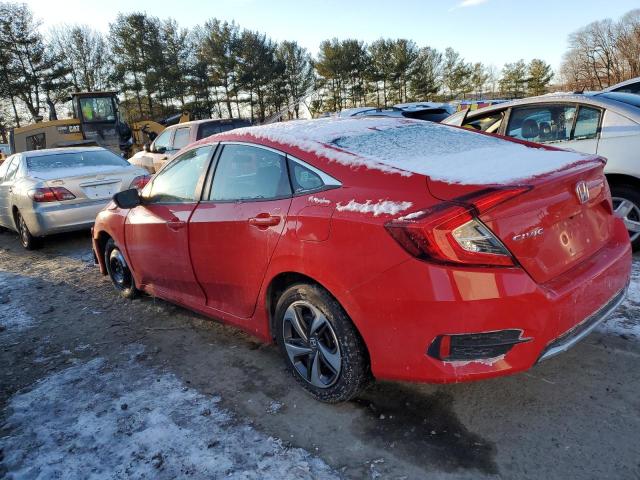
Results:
[27, 240]
[119, 271]
[626, 204]
[320, 344]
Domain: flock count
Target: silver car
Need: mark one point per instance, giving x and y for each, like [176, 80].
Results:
[603, 123]
[61, 189]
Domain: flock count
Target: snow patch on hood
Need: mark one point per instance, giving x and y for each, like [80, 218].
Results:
[97, 420]
[405, 147]
[381, 207]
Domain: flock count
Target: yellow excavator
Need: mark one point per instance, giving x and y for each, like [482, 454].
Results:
[96, 121]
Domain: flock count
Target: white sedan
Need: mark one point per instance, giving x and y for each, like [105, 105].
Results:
[603, 123]
[62, 189]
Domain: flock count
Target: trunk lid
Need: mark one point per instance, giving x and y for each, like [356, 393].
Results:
[88, 184]
[553, 226]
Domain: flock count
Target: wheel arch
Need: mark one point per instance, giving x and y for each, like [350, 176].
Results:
[622, 179]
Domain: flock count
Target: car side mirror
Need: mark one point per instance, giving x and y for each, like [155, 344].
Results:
[128, 198]
[146, 147]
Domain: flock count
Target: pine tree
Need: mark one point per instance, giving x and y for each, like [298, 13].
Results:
[540, 75]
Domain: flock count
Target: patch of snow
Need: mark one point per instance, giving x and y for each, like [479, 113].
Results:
[97, 420]
[318, 201]
[626, 320]
[381, 207]
[406, 147]
[13, 317]
[412, 216]
[274, 407]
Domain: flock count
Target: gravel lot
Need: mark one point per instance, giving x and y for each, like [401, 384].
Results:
[92, 385]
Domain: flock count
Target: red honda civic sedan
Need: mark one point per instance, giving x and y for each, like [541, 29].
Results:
[377, 248]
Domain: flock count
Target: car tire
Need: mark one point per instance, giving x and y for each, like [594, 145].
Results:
[119, 271]
[320, 345]
[28, 241]
[626, 204]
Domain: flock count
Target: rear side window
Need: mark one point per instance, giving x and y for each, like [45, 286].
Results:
[177, 182]
[95, 158]
[304, 179]
[245, 172]
[181, 138]
[542, 124]
[587, 123]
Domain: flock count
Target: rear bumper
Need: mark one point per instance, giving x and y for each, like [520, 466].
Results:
[568, 339]
[402, 312]
[49, 218]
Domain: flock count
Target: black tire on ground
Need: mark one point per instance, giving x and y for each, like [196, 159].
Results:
[335, 341]
[27, 240]
[118, 270]
[631, 194]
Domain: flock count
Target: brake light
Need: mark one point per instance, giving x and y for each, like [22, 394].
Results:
[51, 194]
[452, 233]
[140, 182]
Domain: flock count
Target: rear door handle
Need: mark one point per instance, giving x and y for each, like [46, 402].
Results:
[176, 224]
[264, 220]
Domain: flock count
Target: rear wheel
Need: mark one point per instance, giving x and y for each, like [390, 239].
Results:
[626, 204]
[27, 240]
[119, 271]
[320, 344]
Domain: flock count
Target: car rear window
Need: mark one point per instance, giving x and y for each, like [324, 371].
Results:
[96, 158]
[208, 129]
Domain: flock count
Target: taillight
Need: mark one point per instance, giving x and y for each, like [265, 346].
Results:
[52, 194]
[452, 233]
[140, 182]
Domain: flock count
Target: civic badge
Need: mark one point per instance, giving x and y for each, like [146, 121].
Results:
[582, 191]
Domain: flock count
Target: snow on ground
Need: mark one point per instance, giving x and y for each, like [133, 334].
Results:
[13, 318]
[99, 420]
[405, 146]
[626, 320]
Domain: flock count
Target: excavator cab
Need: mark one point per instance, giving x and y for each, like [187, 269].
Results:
[100, 121]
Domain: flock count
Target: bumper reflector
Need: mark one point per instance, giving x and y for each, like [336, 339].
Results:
[474, 346]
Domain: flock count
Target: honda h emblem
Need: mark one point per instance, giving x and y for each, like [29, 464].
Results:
[582, 191]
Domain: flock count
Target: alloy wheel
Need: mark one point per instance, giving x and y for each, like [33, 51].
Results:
[630, 215]
[311, 344]
[24, 231]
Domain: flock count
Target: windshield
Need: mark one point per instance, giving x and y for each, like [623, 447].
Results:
[75, 160]
[97, 109]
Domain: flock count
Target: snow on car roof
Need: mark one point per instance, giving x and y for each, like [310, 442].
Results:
[407, 147]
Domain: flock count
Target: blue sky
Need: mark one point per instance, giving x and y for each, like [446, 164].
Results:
[490, 31]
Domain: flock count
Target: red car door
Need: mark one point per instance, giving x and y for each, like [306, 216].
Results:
[157, 234]
[232, 235]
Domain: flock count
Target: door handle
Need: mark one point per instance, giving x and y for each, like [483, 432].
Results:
[264, 220]
[176, 224]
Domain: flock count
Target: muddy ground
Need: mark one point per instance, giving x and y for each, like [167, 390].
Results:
[574, 416]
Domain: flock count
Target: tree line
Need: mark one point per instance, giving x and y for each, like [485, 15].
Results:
[603, 53]
[219, 69]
